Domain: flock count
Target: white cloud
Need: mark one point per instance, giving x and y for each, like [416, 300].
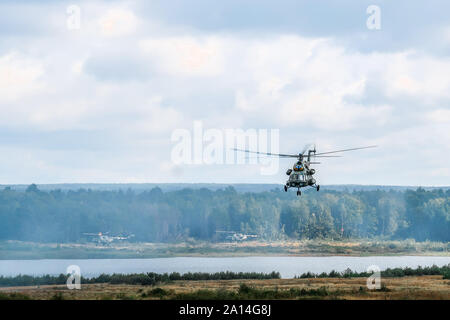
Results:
[309, 88]
[445, 34]
[417, 76]
[439, 116]
[187, 55]
[118, 22]
[299, 81]
[151, 117]
[19, 76]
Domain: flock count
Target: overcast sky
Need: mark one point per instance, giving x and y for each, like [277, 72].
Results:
[100, 103]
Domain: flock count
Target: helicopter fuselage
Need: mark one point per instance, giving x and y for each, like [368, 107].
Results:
[301, 176]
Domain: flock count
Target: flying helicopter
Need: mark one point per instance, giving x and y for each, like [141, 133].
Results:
[301, 175]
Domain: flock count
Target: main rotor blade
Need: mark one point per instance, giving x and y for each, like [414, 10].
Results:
[343, 150]
[268, 153]
[326, 156]
[305, 148]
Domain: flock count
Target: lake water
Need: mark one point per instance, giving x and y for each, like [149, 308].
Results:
[287, 266]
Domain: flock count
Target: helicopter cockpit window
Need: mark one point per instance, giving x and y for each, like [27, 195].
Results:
[298, 176]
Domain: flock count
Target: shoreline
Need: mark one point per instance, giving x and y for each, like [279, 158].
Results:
[424, 254]
[18, 250]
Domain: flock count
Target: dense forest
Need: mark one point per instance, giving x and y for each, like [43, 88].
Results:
[157, 216]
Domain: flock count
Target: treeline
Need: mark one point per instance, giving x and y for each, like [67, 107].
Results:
[388, 273]
[156, 216]
[149, 278]
[153, 279]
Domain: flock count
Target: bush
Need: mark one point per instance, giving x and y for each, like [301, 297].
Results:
[57, 296]
[13, 296]
[158, 292]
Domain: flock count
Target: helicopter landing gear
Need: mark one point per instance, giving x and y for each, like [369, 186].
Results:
[318, 187]
[299, 193]
[285, 188]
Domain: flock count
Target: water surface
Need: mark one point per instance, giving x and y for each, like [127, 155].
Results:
[287, 266]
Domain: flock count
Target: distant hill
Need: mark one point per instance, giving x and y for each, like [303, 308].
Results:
[239, 187]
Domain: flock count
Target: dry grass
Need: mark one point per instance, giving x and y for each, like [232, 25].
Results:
[421, 287]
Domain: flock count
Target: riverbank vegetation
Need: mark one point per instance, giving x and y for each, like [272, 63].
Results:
[444, 271]
[14, 250]
[149, 278]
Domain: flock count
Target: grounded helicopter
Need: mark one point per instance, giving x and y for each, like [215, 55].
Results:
[105, 239]
[236, 236]
[301, 175]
